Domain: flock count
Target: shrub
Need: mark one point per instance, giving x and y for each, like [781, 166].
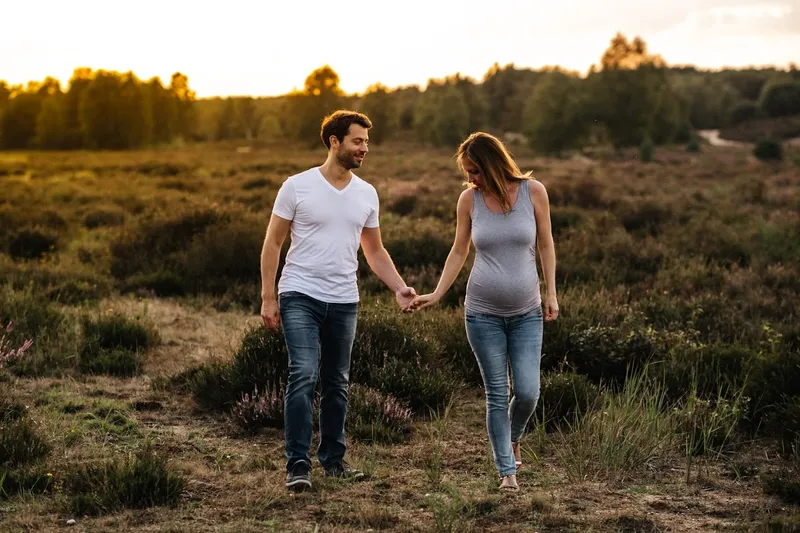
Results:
[161, 283]
[744, 111]
[768, 150]
[103, 217]
[137, 482]
[20, 443]
[32, 243]
[113, 345]
[693, 146]
[785, 484]
[21, 480]
[259, 409]
[373, 416]
[426, 388]
[646, 150]
[563, 396]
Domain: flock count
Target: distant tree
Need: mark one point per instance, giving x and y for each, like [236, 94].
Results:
[74, 136]
[5, 94]
[18, 122]
[228, 121]
[746, 110]
[303, 111]
[184, 101]
[555, 114]
[103, 119]
[780, 98]
[249, 117]
[51, 124]
[628, 90]
[135, 114]
[442, 115]
[507, 90]
[163, 111]
[377, 105]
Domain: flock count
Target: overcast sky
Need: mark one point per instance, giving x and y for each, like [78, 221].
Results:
[268, 47]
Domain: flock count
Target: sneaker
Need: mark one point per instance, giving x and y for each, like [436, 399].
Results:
[509, 484]
[297, 478]
[341, 469]
[515, 447]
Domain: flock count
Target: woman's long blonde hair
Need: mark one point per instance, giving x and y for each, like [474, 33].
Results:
[490, 155]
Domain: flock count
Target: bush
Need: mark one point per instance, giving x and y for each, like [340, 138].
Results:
[646, 150]
[693, 146]
[161, 283]
[19, 480]
[781, 98]
[35, 318]
[20, 443]
[768, 150]
[32, 243]
[785, 484]
[136, 482]
[425, 388]
[376, 417]
[113, 345]
[744, 111]
[564, 395]
[259, 409]
[103, 217]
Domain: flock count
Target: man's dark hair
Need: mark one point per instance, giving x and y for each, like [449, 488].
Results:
[338, 123]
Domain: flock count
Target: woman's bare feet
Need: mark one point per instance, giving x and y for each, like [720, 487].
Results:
[509, 484]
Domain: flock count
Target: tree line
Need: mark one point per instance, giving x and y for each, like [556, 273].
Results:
[98, 110]
[630, 98]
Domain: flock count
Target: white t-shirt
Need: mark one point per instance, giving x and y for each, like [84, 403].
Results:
[326, 232]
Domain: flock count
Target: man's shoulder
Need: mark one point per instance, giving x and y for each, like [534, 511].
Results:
[365, 186]
[303, 176]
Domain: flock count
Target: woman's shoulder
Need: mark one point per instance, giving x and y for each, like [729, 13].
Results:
[465, 199]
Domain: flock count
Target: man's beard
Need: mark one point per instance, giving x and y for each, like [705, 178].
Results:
[348, 160]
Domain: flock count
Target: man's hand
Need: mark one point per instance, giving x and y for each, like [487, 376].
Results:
[270, 314]
[405, 297]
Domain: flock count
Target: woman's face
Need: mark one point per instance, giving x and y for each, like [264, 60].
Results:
[474, 175]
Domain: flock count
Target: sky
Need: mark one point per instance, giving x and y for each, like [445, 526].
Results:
[268, 47]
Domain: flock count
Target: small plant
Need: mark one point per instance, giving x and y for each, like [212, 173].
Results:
[136, 482]
[693, 146]
[785, 484]
[259, 409]
[646, 150]
[768, 150]
[113, 345]
[20, 443]
[7, 353]
[377, 417]
[32, 243]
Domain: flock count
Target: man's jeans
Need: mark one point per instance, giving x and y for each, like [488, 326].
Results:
[496, 340]
[319, 338]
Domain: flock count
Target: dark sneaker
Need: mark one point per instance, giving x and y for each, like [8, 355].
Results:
[343, 470]
[297, 478]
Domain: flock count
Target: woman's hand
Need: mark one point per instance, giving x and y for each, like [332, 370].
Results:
[550, 308]
[425, 300]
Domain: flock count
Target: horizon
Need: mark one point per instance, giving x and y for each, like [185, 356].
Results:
[251, 49]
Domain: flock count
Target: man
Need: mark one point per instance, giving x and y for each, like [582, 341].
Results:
[330, 211]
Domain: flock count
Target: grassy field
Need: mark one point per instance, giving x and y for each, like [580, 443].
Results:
[150, 397]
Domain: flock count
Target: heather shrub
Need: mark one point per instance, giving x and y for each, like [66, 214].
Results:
[373, 416]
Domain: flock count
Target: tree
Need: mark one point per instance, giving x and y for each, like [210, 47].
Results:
[555, 114]
[18, 122]
[303, 112]
[377, 105]
[51, 124]
[629, 89]
[184, 98]
[163, 110]
[780, 98]
[74, 136]
[249, 117]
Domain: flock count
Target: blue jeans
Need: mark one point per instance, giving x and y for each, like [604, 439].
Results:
[496, 340]
[319, 338]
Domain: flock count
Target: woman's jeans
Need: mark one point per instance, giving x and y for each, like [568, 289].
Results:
[319, 338]
[496, 340]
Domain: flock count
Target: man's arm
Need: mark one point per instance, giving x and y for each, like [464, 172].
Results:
[382, 265]
[277, 230]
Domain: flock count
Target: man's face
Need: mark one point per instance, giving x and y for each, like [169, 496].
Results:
[355, 145]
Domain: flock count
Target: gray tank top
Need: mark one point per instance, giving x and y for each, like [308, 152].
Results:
[503, 281]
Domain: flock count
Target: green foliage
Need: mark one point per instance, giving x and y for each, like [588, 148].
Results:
[21, 443]
[377, 105]
[555, 114]
[744, 111]
[768, 150]
[376, 417]
[564, 396]
[32, 243]
[113, 345]
[784, 483]
[135, 482]
[646, 150]
[780, 98]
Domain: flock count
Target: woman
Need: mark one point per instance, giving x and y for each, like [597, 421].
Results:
[506, 215]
